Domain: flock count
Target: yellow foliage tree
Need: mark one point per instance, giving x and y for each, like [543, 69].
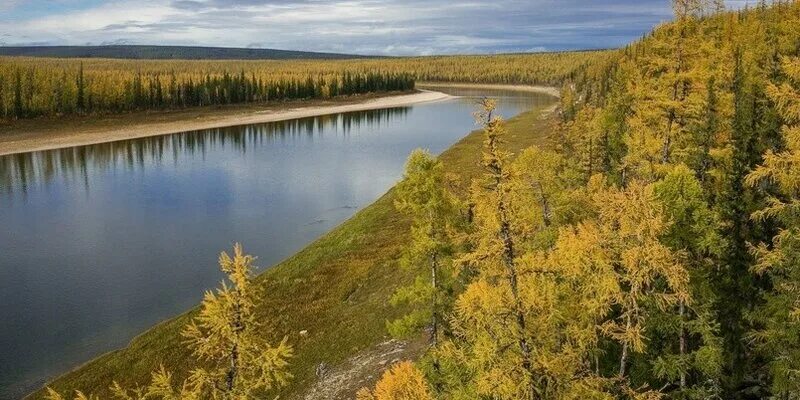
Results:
[241, 363]
[53, 395]
[513, 339]
[631, 223]
[402, 382]
[238, 362]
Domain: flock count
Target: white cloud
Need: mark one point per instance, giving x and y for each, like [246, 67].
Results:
[358, 26]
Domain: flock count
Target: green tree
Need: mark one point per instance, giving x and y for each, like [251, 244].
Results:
[780, 260]
[694, 360]
[423, 196]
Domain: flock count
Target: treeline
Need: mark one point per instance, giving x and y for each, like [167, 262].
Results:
[532, 69]
[156, 93]
[31, 87]
[30, 91]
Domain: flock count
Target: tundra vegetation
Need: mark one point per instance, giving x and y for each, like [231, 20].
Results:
[648, 248]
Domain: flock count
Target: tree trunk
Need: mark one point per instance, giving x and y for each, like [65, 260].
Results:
[238, 327]
[508, 260]
[591, 158]
[679, 65]
[623, 360]
[434, 306]
[682, 342]
[230, 377]
[545, 203]
[435, 320]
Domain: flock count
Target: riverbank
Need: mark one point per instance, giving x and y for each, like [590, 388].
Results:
[335, 291]
[549, 90]
[48, 134]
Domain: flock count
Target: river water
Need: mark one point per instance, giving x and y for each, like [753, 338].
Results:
[99, 242]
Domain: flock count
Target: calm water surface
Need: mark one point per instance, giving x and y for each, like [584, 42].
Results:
[99, 242]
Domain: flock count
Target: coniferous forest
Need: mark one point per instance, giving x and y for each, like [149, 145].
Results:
[33, 87]
[36, 91]
[648, 249]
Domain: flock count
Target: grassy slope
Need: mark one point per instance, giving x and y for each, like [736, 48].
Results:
[337, 288]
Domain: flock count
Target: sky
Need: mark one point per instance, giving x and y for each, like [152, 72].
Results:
[376, 27]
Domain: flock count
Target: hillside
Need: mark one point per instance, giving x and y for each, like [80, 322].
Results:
[140, 52]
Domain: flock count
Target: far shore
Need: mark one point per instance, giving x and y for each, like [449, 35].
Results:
[552, 91]
[49, 134]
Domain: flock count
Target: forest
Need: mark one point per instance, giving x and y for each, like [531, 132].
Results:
[34, 87]
[35, 93]
[650, 249]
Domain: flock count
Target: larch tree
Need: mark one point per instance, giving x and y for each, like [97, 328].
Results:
[240, 361]
[3, 108]
[401, 382]
[79, 395]
[586, 142]
[495, 257]
[19, 110]
[666, 99]
[547, 193]
[510, 336]
[161, 387]
[237, 362]
[80, 83]
[631, 223]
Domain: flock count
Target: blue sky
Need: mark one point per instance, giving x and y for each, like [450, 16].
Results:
[412, 27]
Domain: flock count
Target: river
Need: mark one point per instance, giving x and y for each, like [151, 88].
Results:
[100, 242]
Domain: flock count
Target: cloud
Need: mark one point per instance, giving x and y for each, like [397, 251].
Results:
[357, 26]
[7, 5]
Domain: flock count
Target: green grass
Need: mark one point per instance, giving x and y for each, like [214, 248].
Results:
[337, 289]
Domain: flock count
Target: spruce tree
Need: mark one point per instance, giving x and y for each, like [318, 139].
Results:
[779, 259]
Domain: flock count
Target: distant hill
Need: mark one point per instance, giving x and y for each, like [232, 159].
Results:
[167, 53]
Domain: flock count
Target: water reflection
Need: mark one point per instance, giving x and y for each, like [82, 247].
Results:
[20, 171]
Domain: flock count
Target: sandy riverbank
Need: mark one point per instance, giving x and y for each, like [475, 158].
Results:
[552, 91]
[51, 134]
[48, 135]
